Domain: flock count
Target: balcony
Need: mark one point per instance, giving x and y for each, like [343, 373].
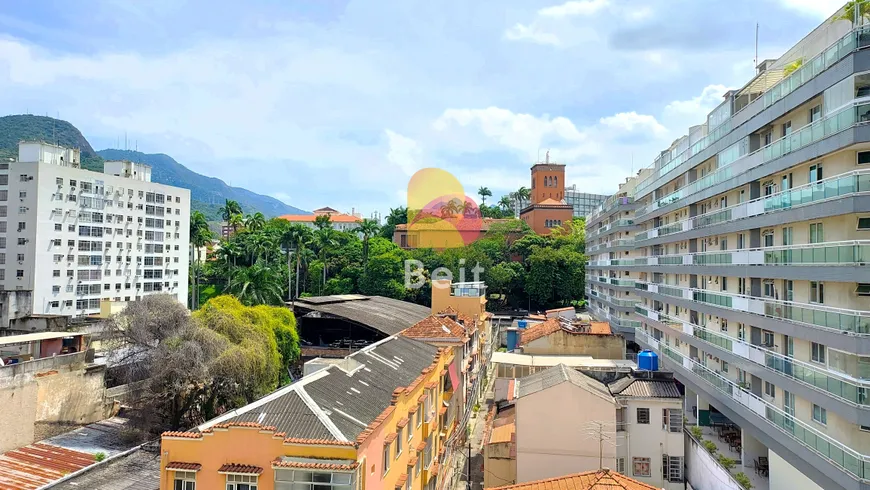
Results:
[843, 185]
[815, 315]
[828, 126]
[809, 70]
[843, 387]
[622, 243]
[766, 416]
[611, 204]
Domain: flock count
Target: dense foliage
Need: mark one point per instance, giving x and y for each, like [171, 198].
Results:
[271, 261]
[191, 368]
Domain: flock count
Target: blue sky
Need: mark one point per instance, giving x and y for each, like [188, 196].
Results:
[339, 102]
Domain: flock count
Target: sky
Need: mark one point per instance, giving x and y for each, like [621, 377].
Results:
[339, 102]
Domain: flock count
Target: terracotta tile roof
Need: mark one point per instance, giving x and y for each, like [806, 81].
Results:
[558, 310]
[591, 480]
[503, 433]
[240, 468]
[436, 328]
[317, 442]
[540, 330]
[401, 481]
[326, 464]
[186, 435]
[390, 438]
[469, 321]
[181, 466]
[309, 218]
[421, 446]
[402, 422]
[33, 466]
[249, 425]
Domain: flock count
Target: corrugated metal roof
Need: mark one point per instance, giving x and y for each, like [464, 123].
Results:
[33, 337]
[386, 315]
[647, 388]
[557, 375]
[138, 470]
[33, 466]
[573, 361]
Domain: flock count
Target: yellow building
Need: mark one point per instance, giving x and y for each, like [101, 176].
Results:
[373, 420]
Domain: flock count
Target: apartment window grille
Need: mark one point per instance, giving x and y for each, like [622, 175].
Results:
[642, 415]
[640, 467]
[672, 420]
[675, 469]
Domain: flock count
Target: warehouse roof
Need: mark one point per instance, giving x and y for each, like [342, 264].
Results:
[386, 315]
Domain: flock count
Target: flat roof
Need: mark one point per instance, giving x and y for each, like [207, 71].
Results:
[386, 315]
[33, 337]
[572, 361]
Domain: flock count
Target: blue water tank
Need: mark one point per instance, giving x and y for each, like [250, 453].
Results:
[648, 360]
[513, 336]
[522, 323]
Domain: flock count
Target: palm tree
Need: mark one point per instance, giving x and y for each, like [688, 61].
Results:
[255, 222]
[325, 240]
[255, 285]
[524, 193]
[235, 221]
[484, 192]
[323, 222]
[230, 209]
[200, 236]
[505, 203]
[368, 228]
[295, 238]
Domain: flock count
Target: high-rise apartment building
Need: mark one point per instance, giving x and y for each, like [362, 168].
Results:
[75, 237]
[583, 203]
[746, 253]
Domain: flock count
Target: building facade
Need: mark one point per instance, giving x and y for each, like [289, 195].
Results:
[750, 263]
[583, 203]
[547, 209]
[339, 221]
[77, 237]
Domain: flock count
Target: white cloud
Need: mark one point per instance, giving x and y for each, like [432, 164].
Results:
[631, 121]
[404, 153]
[820, 9]
[520, 32]
[572, 8]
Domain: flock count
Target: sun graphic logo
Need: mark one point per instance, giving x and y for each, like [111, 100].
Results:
[440, 215]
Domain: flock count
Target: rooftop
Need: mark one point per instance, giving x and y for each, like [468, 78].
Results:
[553, 325]
[557, 375]
[577, 362]
[309, 218]
[436, 328]
[455, 223]
[336, 404]
[604, 479]
[138, 470]
[386, 315]
[641, 387]
[34, 337]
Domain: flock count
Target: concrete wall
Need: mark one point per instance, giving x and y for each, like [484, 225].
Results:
[562, 343]
[784, 476]
[41, 397]
[651, 440]
[500, 467]
[553, 443]
[704, 472]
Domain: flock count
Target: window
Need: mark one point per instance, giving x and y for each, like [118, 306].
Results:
[818, 352]
[864, 223]
[769, 389]
[19, 273]
[184, 480]
[312, 480]
[419, 414]
[642, 415]
[399, 443]
[817, 292]
[672, 419]
[767, 338]
[55, 289]
[786, 129]
[816, 113]
[242, 482]
[768, 239]
[817, 233]
[386, 458]
[620, 465]
[58, 227]
[820, 414]
[769, 289]
[675, 469]
[724, 366]
[815, 173]
[55, 273]
[863, 289]
[640, 467]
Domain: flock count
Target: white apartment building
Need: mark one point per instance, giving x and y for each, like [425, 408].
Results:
[77, 237]
[751, 263]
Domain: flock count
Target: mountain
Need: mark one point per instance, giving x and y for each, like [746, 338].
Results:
[208, 194]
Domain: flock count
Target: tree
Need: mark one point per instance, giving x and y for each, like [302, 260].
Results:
[505, 203]
[397, 216]
[235, 222]
[850, 14]
[295, 238]
[257, 284]
[323, 222]
[200, 237]
[255, 222]
[368, 228]
[231, 213]
[523, 193]
[484, 192]
[324, 238]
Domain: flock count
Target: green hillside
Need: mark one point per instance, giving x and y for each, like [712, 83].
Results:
[207, 193]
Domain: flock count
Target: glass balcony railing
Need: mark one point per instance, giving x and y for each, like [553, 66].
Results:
[809, 70]
[842, 185]
[845, 253]
[849, 389]
[843, 457]
[609, 204]
[622, 282]
[816, 315]
[811, 133]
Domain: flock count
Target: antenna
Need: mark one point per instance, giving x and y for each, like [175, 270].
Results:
[756, 46]
[125, 141]
[597, 430]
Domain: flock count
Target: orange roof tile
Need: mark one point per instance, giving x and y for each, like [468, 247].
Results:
[38, 464]
[435, 328]
[246, 469]
[540, 330]
[556, 310]
[469, 322]
[591, 480]
[402, 422]
[314, 465]
[390, 438]
[503, 433]
[186, 435]
[317, 442]
[309, 218]
[182, 466]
